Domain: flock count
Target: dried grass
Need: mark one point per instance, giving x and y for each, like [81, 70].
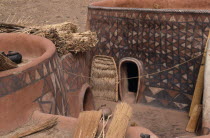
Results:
[120, 121]
[65, 27]
[87, 124]
[66, 38]
[104, 78]
[63, 35]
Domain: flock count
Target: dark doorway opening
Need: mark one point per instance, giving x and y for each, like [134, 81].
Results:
[132, 71]
[130, 85]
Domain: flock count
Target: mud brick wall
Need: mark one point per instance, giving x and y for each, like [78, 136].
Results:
[160, 39]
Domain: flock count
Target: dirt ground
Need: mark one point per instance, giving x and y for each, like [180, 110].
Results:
[165, 123]
[40, 12]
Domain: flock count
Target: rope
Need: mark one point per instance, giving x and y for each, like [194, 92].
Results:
[150, 74]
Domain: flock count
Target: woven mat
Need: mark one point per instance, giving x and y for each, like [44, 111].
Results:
[104, 78]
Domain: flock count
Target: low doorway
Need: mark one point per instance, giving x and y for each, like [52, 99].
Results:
[130, 84]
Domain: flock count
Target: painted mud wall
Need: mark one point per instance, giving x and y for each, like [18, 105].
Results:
[76, 69]
[160, 39]
[57, 82]
[43, 84]
[49, 72]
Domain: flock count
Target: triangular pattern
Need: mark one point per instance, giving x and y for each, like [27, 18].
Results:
[155, 90]
[27, 79]
[180, 105]
[37, 75]
[149, 99]
[160, 41]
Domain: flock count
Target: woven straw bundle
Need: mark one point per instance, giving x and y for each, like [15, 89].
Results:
[104, 78]
[87, 124]
[6, 63]
[120, 121]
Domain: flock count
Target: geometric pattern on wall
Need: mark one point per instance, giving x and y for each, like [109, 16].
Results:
[53, 92]
[160, 40]
[78, 64]
[167, 98]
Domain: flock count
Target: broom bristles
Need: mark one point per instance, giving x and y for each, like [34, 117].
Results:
[120, 121]
[88, 124]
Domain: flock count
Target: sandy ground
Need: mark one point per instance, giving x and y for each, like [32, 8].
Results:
[165, 123]
[40, 12]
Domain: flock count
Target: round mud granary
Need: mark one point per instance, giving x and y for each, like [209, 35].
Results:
[31, 86]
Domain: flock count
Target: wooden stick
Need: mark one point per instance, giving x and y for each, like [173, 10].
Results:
[198, 92]
[191, 126]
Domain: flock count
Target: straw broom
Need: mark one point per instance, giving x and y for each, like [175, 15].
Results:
[88, 124]
[119, 123]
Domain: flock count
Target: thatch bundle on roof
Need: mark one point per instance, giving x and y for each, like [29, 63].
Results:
[64, 36]
[104, 78]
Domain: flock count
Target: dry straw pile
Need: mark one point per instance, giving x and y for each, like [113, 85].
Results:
[104, 78]
[64, 36]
